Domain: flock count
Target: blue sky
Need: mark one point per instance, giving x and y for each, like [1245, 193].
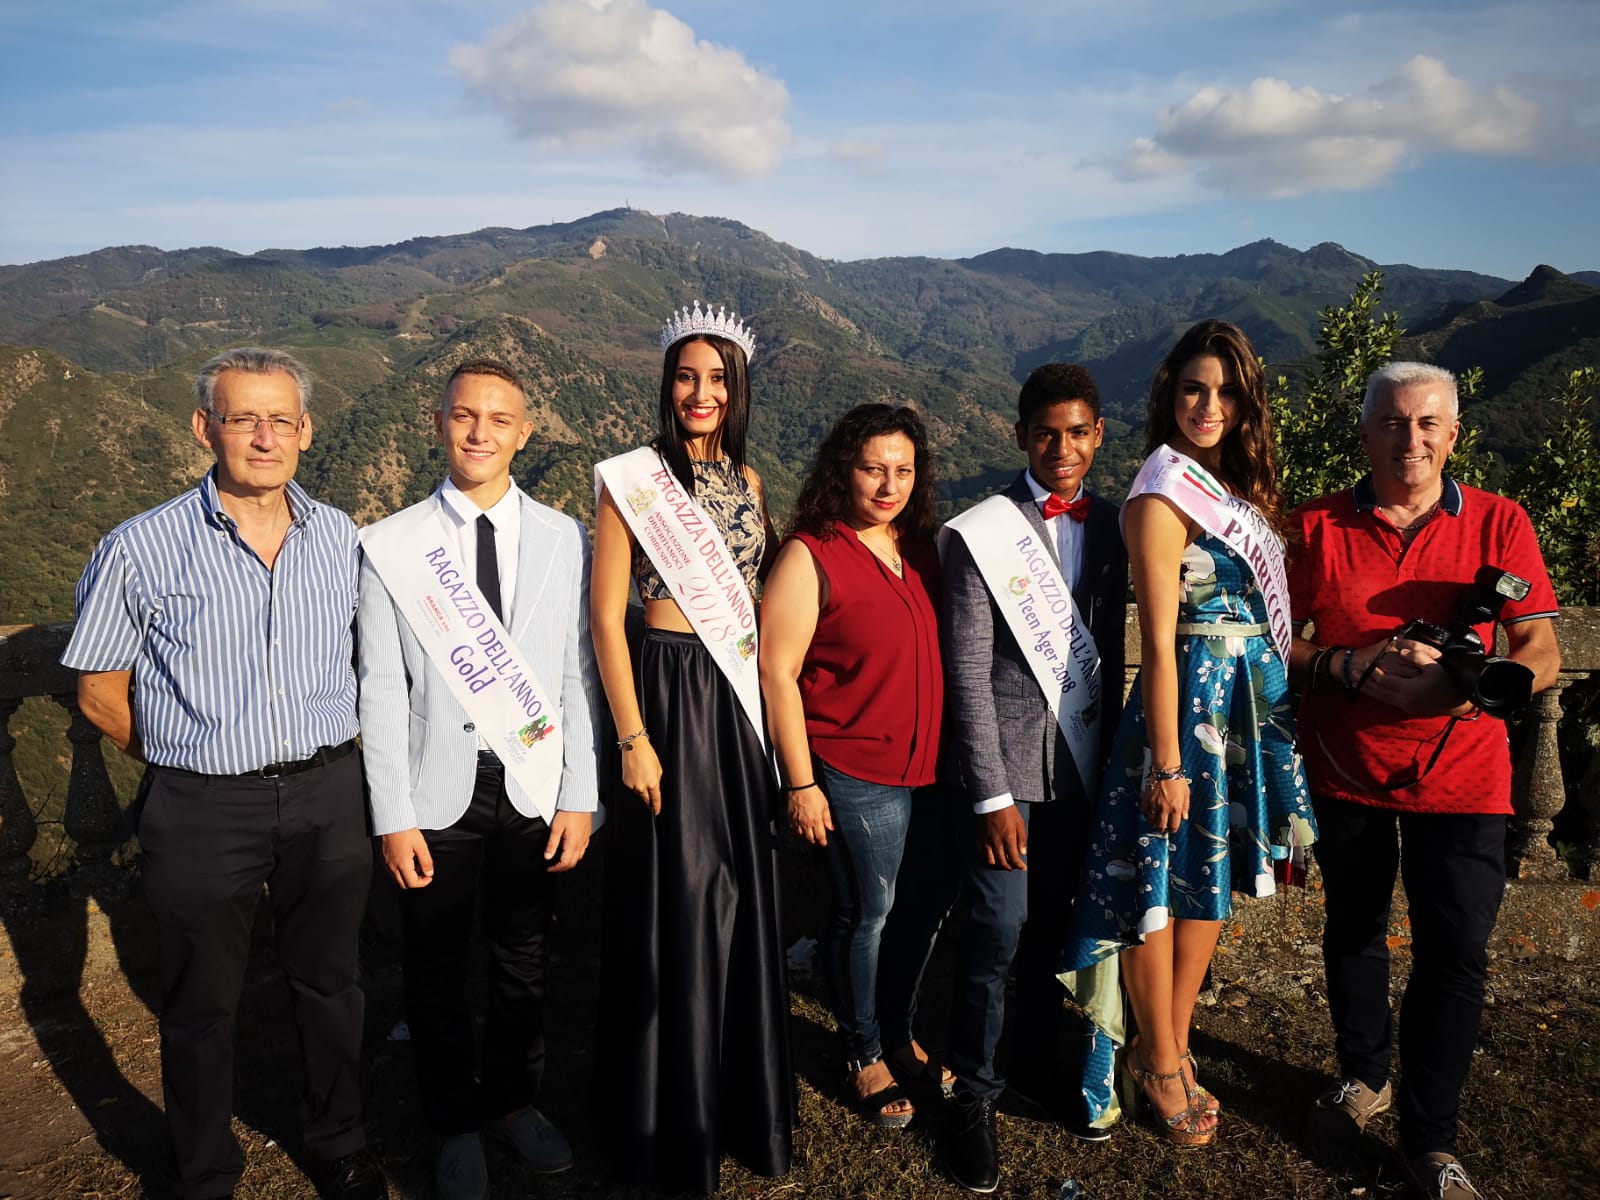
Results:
[1457, 134]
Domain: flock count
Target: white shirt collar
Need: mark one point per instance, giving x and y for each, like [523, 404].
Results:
[500, 514]
[1040, 492]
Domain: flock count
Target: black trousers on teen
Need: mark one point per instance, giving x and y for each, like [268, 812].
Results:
[1453, 867]
[210, 843]
[496, 853]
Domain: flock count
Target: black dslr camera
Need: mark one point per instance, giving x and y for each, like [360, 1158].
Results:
[1496, 685]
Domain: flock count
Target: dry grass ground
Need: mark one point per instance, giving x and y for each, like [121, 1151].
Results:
[79, 1078]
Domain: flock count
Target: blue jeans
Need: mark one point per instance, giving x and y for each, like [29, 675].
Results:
[861, 860]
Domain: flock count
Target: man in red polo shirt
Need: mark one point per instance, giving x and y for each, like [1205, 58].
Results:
[1392, 747]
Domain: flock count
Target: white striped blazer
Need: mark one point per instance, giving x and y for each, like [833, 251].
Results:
[419, 745]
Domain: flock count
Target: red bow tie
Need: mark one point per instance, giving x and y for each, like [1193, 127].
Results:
[1077, 509]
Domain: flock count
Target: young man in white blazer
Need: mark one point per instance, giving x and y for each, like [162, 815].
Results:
[455, 825]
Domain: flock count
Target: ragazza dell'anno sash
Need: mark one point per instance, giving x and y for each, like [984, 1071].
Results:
[1033, 597]
[1231, 520]
[467, 644]
[688, 550]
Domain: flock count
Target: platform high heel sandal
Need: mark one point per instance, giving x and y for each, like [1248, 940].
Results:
[1198, 1096]
[1183, 1129]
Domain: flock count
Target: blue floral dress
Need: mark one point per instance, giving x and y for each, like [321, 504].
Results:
[1246, 786]
[1247, 792]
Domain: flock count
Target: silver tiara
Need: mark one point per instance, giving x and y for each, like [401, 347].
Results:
[718, 324]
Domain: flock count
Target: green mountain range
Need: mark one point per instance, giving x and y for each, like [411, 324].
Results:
[99, 349]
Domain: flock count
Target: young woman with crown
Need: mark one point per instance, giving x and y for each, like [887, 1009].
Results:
[694, 1055]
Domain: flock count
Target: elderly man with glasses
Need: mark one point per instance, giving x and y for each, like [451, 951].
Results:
[214, 640]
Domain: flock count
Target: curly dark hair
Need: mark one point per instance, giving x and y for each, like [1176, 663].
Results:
[1248, 466]
[825, 495]
[735, 425]
[1056, 383]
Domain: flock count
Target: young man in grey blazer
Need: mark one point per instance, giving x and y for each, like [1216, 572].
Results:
[1029, 808]
[455, 827]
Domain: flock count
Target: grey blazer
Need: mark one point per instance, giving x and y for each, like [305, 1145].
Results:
[419, 745]
[999, 726]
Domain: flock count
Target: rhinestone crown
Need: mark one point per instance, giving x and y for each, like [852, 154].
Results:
[721, 324]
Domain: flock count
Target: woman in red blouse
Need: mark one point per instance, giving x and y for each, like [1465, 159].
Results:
[854, 691]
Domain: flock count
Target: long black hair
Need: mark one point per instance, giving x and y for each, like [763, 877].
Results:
[735, 422]
[825, 496]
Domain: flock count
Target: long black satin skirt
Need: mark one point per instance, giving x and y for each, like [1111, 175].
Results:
[693, 1060]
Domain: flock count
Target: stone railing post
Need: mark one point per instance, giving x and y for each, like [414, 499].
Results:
[1588, 800]
[92, 818]
[17, 827]
[1538, 792]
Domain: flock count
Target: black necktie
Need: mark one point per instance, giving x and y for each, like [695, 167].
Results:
[488, 565]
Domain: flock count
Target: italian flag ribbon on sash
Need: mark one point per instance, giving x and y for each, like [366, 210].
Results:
[1233, 521]
[471, 649]
[1033, 597]
[688, 550]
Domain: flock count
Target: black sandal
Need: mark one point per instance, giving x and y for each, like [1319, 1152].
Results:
[871, 1108]
[928, 1074]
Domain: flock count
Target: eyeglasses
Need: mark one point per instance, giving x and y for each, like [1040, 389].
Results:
[248, 423]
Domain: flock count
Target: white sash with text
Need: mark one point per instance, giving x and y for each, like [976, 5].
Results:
[1030, 592]
[1234, 521]
[466, 642]
[692, 558]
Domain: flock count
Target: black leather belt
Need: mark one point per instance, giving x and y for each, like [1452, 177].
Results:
[323, 756]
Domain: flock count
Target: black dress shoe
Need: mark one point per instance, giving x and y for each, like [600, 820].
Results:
[972, 1145]
[354, 1176]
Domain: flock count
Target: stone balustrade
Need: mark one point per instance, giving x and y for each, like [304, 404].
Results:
[92, 820]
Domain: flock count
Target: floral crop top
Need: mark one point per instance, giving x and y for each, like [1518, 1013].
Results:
[731, 504]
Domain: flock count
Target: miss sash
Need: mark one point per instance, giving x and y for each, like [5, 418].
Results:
[688, 551]
[1235, 522]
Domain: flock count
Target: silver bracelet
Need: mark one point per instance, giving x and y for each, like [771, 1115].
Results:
[627, 742]
[1162, 774]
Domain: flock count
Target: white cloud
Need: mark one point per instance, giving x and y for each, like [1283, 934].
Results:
[1271, 138]
[582, 74]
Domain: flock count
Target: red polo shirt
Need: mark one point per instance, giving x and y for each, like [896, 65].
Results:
[872, 683]
[1353, 576]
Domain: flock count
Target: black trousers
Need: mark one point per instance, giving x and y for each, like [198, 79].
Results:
[1453, 867]
[210, 843]
[1016, 924]
[494, 852]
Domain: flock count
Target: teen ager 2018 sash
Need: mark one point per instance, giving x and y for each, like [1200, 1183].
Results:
[687, 549]
[461, 636]
[1232, 520]
[1028, 588]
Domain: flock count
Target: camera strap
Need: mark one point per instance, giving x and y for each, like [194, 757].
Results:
[1433, 759]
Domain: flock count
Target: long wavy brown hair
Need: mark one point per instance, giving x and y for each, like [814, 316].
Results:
[825, 495]
[1248, 466]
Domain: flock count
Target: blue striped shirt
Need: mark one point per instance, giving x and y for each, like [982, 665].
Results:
[234, 666]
